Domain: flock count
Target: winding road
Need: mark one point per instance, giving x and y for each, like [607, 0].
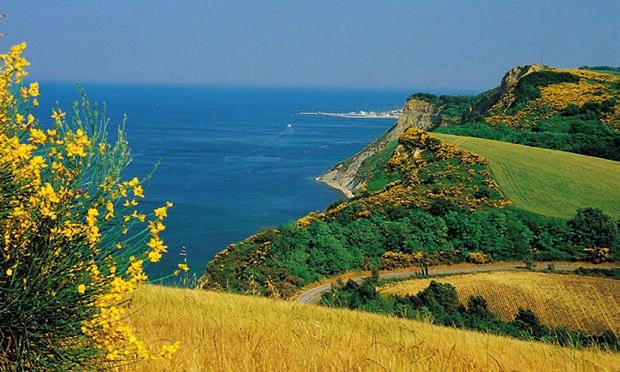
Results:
[313, 295]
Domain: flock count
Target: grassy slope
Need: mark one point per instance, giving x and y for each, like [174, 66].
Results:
[373, 168]
[577, 302]
[230, 332]
[548, 182]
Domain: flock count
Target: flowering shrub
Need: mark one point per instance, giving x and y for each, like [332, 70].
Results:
[73, 242]
[598, 255]
[478, 257]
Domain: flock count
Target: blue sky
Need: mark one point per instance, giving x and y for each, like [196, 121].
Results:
[324, 43]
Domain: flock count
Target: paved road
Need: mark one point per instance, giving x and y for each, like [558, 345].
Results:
[313, 295]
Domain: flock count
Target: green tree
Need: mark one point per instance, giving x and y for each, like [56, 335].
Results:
[592, 228]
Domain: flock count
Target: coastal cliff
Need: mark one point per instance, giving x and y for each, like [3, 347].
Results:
[417, 113]
[552, 107]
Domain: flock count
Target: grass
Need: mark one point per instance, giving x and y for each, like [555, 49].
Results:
[548, 182]
[230, 332]
[587, 304]
[373, 168]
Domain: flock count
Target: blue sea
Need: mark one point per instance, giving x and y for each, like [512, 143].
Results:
[227, 157]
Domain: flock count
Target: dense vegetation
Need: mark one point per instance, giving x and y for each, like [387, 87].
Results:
[580, 136]
[439, 304]
[604, 69]
[613, 273]
[557, 300]
[568, 110]
[528, 87]
[425, 201]
[547, 182]
[442, 206]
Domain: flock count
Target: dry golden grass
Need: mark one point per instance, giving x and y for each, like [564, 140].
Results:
[577, 302]
[225, 332]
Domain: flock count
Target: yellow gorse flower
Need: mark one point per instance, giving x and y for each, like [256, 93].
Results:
[33, 89]
[77, 143]
[37, 136]
[57, 115]
[76, 217]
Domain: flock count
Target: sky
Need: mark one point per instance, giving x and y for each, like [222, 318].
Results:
[383, 44]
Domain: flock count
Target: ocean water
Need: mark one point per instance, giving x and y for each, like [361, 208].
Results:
[227, 157]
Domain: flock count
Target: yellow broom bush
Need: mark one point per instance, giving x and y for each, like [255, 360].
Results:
[73, 241]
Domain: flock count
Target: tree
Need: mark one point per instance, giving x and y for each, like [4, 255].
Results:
[529, 323]
[592, 228]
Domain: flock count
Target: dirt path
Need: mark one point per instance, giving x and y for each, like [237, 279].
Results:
[313, 295]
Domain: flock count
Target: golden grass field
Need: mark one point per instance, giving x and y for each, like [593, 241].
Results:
[548, 182]
[582, 303]
[227, 332]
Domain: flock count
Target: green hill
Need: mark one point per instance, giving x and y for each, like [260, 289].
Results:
[548, 182]
[415, 199]
[575, 110]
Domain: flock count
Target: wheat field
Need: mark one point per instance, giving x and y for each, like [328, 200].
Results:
[582, 303]
[548, 182]
[224, 332]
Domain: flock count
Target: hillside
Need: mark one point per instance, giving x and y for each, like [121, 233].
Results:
[427, 202]
[230, 332]
[418, 199]
[346, 176]
[558, 300]
[426, 177]
[548, 182]
[574, 110]
[532, 93]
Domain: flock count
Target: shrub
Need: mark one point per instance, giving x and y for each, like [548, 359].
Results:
[478, 257]
[73, 240]
[592, 228]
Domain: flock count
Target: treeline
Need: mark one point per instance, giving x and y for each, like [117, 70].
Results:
[579, 135]
[439, 304]
[291, 256]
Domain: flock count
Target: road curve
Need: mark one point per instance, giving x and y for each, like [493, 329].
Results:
[313, 295]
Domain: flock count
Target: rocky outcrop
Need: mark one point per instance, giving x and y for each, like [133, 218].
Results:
[417, 113]
[501, 98]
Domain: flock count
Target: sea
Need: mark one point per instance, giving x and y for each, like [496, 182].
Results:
[231, 159]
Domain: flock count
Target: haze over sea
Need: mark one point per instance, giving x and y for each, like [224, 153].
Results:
[227, 158]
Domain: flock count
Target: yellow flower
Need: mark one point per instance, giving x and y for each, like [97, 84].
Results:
[19, 118]
[9, 271]
[37, 137]
[57, 115]
[30, 119]
[161, 212]
[77, 143]
[24, 93]
[154, 256]
[48, 192]
[183, 267]
[33, 89]
[168, 350]
[156, 227]
[81, 288]
[109, 206]
[130, 203]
